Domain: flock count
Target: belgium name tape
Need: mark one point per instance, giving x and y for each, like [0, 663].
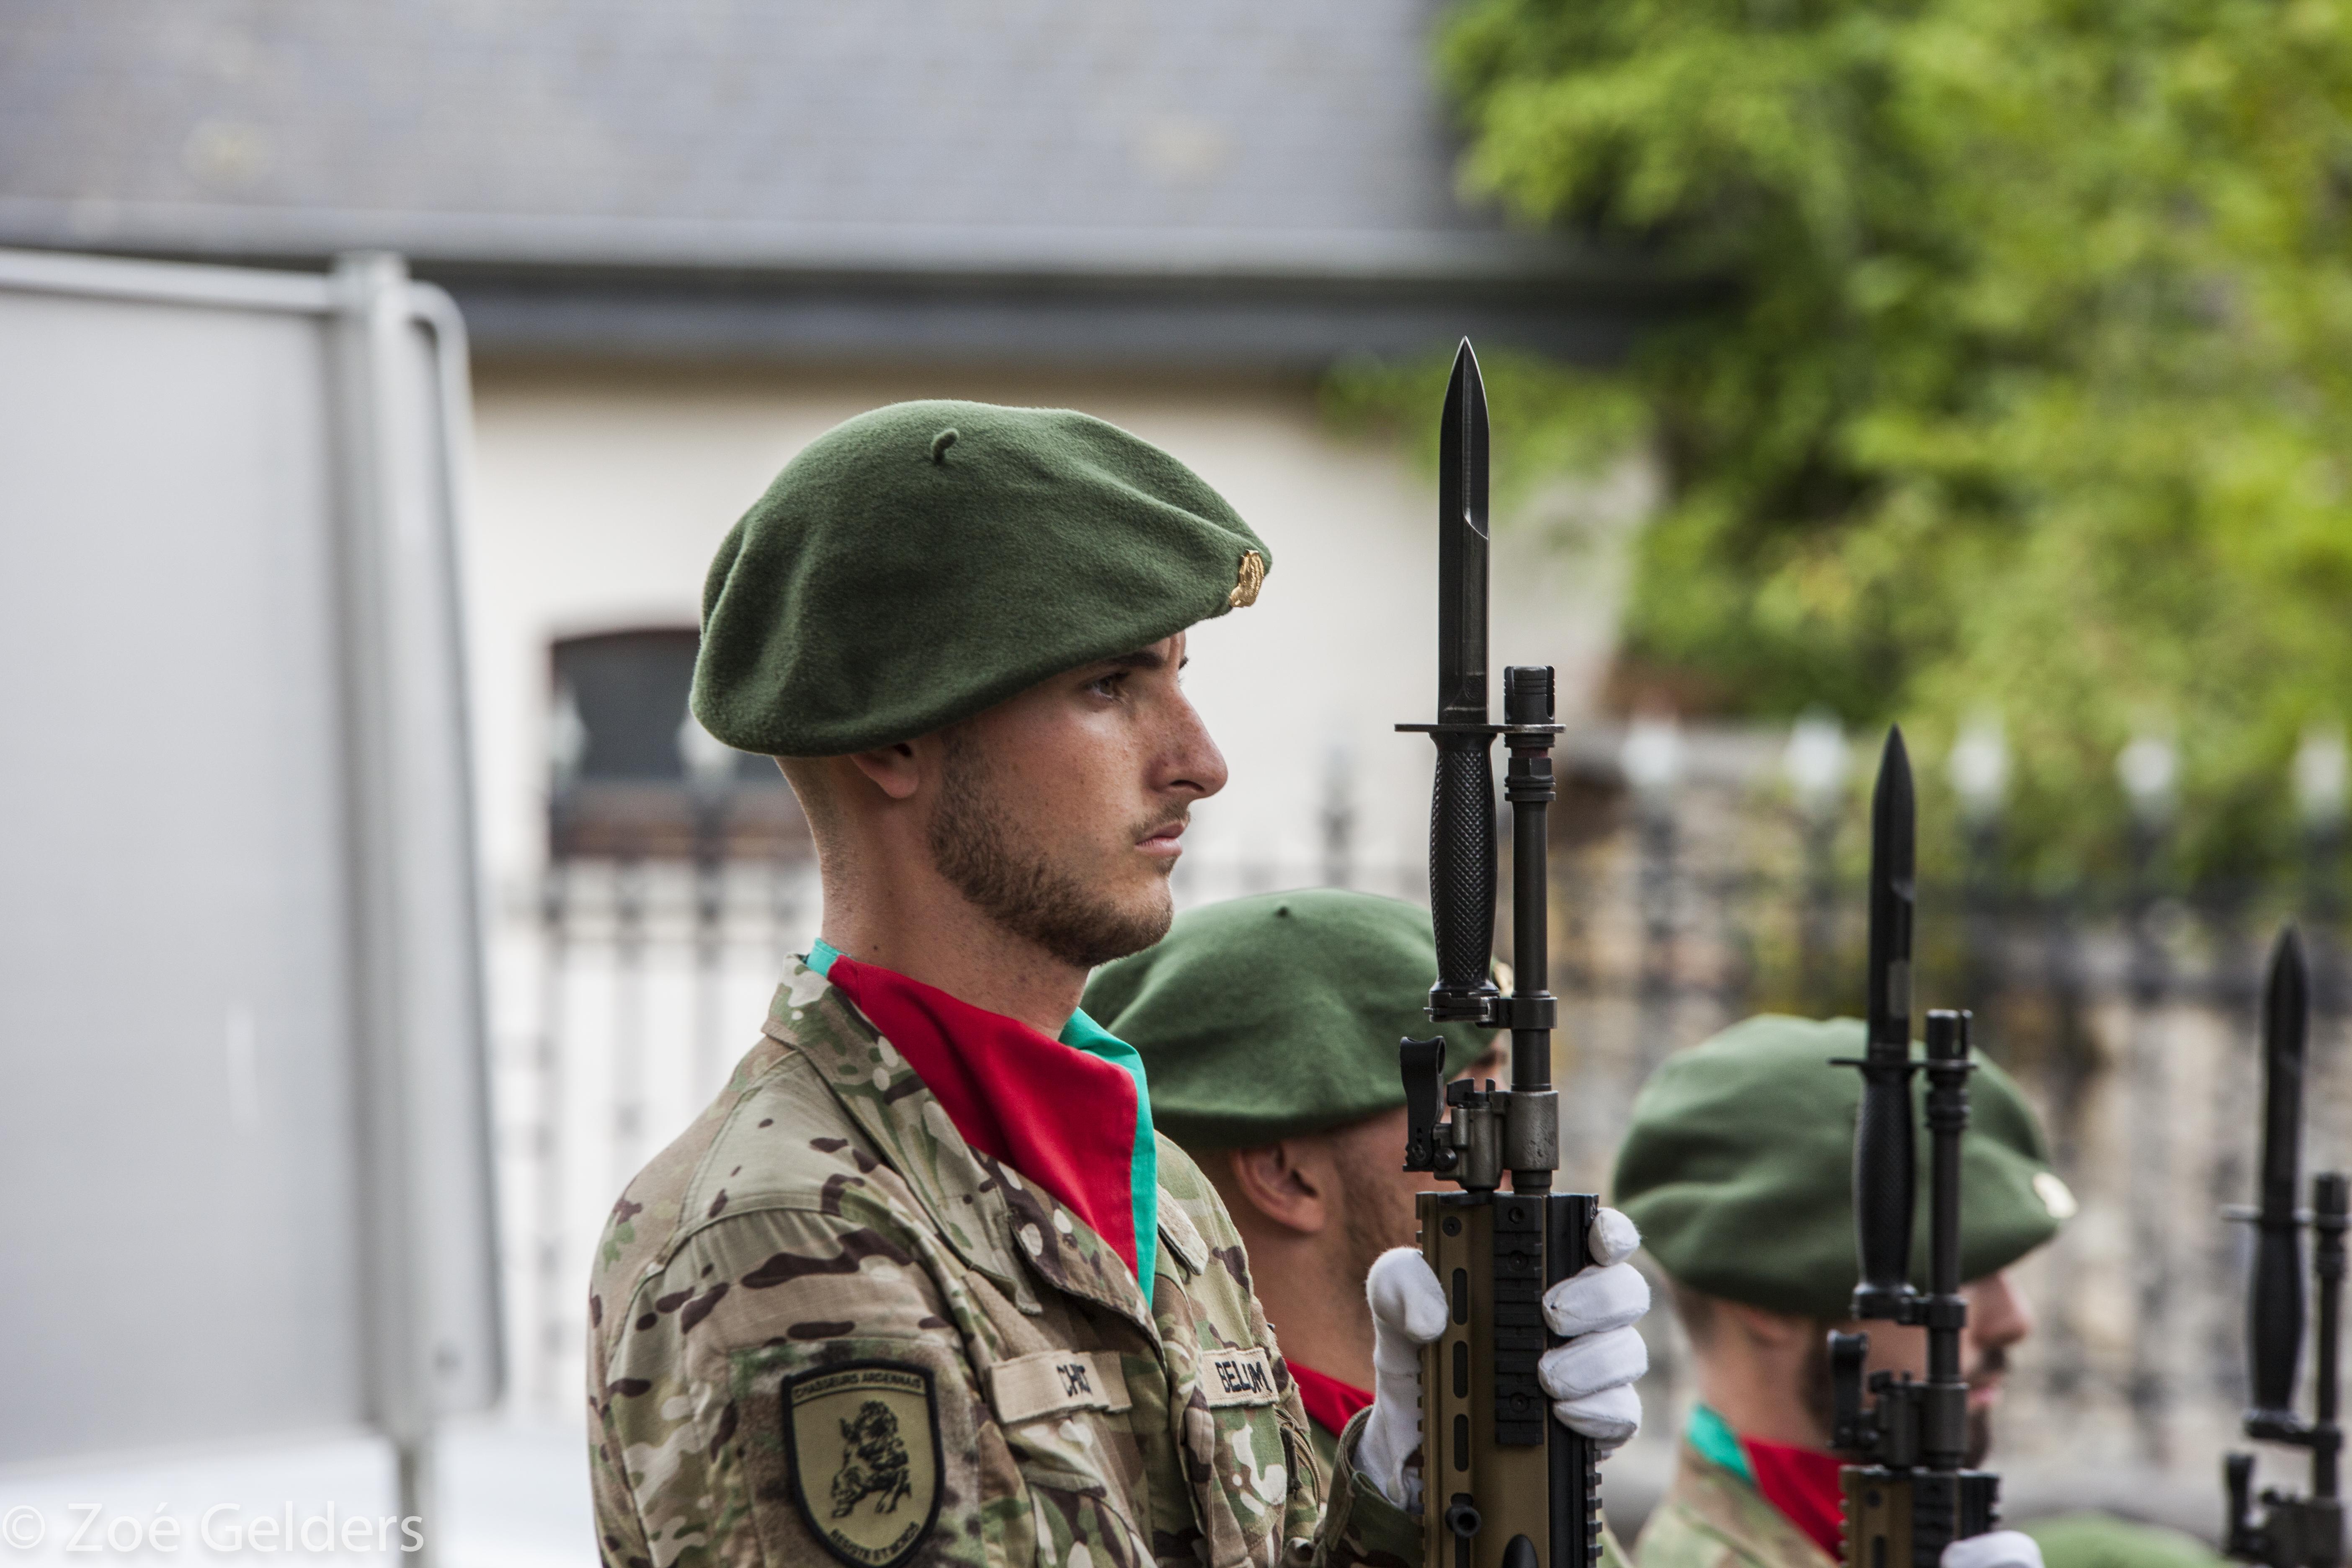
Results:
[1238, 1377]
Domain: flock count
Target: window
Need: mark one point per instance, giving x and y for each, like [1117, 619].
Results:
[632, 776]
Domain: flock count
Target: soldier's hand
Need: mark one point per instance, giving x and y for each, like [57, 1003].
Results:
[1408, 1311]
[1591, 1378]
[1994, 1549]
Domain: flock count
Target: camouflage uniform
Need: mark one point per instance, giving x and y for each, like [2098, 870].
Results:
[1713, 1517]
[822, 1322]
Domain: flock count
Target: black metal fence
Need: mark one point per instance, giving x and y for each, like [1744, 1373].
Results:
[635, 971]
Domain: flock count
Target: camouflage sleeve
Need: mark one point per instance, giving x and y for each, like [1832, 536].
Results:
[1271, 1473]
[1360, 1525]
[788, 1385]
[1363, 1527]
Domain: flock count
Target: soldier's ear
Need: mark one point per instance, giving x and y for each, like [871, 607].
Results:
[897, 770]
[1776, 1329]
[1289, 1182]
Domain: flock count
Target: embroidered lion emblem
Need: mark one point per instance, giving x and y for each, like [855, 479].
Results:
[873, 1460]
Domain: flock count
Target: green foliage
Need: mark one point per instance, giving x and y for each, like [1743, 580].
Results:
[2029, 384]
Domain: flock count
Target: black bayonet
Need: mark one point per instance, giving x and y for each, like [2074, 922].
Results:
[2293, 1532]
[2274, 1304]
[1884, 1150]
[1462, 803]
[1894, 893]
[1506, 1486]
[1910, 1493]
[1462, 538]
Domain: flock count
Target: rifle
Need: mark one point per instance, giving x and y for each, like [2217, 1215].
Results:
[1911, 1495]
[1502, 1483]
[2294, 1532]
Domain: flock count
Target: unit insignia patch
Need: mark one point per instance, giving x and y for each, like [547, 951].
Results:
[864, 1443]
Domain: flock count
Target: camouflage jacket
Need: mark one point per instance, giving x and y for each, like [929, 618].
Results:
[822, 1323]
[1713, 1517]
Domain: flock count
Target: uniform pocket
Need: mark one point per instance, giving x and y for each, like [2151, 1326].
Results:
[1245, 1461]
[1255, 1466]
[1077, 1525]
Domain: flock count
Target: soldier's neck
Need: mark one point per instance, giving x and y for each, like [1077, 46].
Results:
[1756, 1372]
[927, 931]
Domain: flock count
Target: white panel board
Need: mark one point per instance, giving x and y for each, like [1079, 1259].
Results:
[189, 1064]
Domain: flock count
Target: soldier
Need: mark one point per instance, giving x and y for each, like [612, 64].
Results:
[1269, 1025]
[1738, 1168]
[923, 1283]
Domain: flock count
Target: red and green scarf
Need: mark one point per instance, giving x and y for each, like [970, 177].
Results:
[1073, 1115]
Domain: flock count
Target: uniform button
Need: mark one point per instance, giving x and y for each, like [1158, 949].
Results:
[1033, 1240]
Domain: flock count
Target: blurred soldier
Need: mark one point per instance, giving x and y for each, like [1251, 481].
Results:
[1738, 1168]
[1269, 1025]
[923, 1284]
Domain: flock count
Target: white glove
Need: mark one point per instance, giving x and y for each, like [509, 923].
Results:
[1590, 1379]
[1994, 1549]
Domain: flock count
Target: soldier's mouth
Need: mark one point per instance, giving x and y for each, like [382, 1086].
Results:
[1984, 1383]
[1161, 840]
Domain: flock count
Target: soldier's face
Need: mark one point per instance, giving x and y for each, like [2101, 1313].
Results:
[1376, 1193]
[1062, 810]
[1999, 1317]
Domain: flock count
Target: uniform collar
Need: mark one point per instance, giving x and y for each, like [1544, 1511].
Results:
[1009, 1089]
[997, 1222]
[1724, 1496]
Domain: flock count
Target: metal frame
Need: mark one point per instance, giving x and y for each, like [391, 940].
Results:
[416, 931]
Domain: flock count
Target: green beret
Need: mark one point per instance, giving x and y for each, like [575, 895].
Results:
[1271, 1017]
[1738, 1167]
[924, 561]
[2102, 1540]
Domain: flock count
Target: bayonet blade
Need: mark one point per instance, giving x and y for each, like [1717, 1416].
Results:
[1893, 891]
[2274, 1304]
[1462, 546]
[1884, 1172]
[2286, 1012]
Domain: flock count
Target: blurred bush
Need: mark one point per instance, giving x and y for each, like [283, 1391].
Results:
[2030, 381]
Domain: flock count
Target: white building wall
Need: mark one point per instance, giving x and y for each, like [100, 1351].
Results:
[600, 495]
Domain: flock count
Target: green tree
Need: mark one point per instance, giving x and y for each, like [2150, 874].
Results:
[2027, 380]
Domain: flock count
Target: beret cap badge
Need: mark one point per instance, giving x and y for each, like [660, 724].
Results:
[1247, 579]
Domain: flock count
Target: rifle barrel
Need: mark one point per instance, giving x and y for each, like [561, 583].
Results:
[1943, 1437]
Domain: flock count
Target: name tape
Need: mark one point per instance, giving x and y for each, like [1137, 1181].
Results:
[1238, 1377]
[1051, 1382]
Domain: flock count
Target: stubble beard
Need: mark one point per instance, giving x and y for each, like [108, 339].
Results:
[1978, 1429]
[1369, 1227]
[1018, 886]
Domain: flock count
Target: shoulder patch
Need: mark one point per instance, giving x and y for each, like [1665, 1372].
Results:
[862, 1439]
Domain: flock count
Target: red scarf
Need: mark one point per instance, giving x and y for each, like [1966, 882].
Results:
[1010, 1090]
[1330, 1404]
[1802, 1483]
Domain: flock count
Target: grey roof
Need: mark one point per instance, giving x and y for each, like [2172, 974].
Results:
[1028, 140]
